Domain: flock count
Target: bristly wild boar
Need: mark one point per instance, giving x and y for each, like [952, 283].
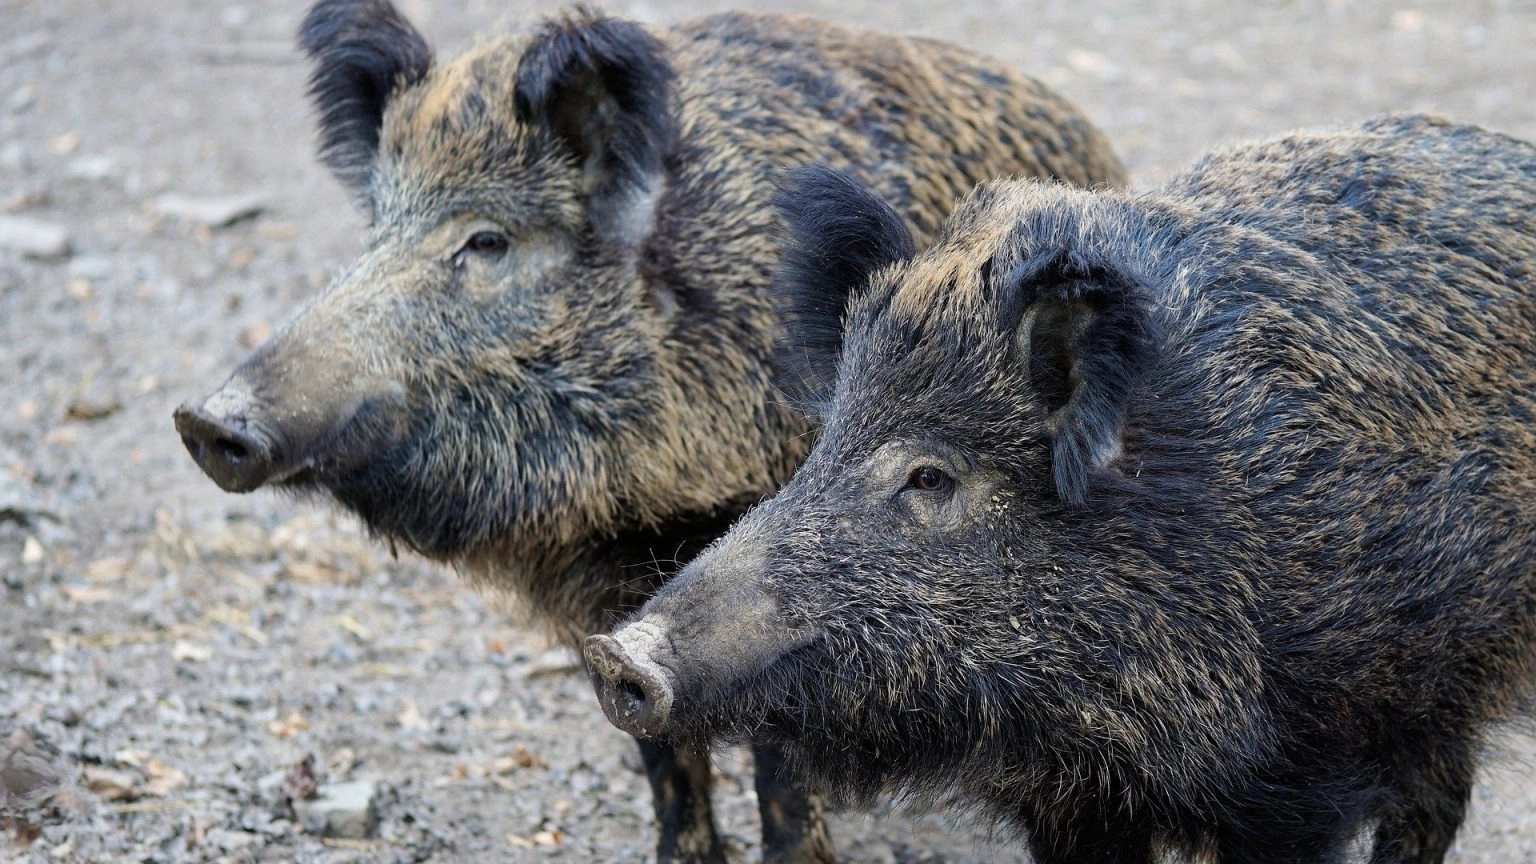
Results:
[1198, 521]
[553, 364]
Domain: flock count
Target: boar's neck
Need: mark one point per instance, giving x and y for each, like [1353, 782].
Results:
[579, 590]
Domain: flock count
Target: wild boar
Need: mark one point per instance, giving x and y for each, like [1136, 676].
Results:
[552, 366]
[1196, 521]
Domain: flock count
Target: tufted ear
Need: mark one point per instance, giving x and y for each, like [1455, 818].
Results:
[1086, 340]
[836, 235]
[602, 87]
[363, 50]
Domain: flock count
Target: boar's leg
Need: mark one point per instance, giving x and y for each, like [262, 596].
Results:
[680, 793]
[794, 830]
[1083, 832]
[1421, 831]
[1303, 826]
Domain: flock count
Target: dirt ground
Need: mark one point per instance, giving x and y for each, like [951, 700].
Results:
[174, 651]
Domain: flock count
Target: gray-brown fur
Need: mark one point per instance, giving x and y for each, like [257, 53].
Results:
[552, 364]
[1201, 520]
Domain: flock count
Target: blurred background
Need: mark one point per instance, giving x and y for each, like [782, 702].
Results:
[178, 666]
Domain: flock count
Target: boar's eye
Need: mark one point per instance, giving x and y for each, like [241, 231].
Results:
[487, 244]
[930, 479]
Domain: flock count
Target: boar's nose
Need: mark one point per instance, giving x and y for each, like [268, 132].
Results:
[634, 693]
[229, 449]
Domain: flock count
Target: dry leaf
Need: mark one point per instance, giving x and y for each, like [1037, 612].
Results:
[386, 670]
[288, 727]
[85, 593]
[107, 569]
[410, 717]
[109, 784]
[162, 778]
[131, 758]
[85, 410]
[342, 761]
[256, 334]
[351, 625]
[277, 230]
[312, 572]
[67, 436]
[190, 652]
[65, 144]
[519, 758]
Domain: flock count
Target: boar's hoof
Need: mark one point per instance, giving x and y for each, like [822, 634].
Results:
[228, 451]
[635, 696]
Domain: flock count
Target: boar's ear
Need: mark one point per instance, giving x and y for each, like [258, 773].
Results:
[363, 50]
[1085, 339]
[603, 88]
[836, 235]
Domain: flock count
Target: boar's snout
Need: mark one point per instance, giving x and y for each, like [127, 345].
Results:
[633, 690]
[228, 442]
[227, 450]
[711, 632]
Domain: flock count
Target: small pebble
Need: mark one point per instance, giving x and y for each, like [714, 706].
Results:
[90, 267]
[91, 168]
[63, 145]
[344, 810]
[22, 99]
[213, 211]
[33, 238]
[14, 156]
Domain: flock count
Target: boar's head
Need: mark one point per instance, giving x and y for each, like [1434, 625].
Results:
[964, 574]
[502, 360]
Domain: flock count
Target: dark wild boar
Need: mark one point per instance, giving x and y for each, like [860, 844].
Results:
[552, 366]
[1198, 521]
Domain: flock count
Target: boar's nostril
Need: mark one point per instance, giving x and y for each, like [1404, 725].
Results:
[633, 692]
[233, 455]
[231, 451]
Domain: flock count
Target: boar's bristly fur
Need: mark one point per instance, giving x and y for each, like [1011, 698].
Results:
[837, 234]
[553, 364]
[1199, 522]
[603, 87]
[363, 51]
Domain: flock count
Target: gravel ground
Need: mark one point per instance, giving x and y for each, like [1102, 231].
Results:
[178, 667]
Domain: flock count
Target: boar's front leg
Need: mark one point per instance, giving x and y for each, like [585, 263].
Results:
[794, 826]
[1094, 832]
[680, 793]
[1420, 831]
